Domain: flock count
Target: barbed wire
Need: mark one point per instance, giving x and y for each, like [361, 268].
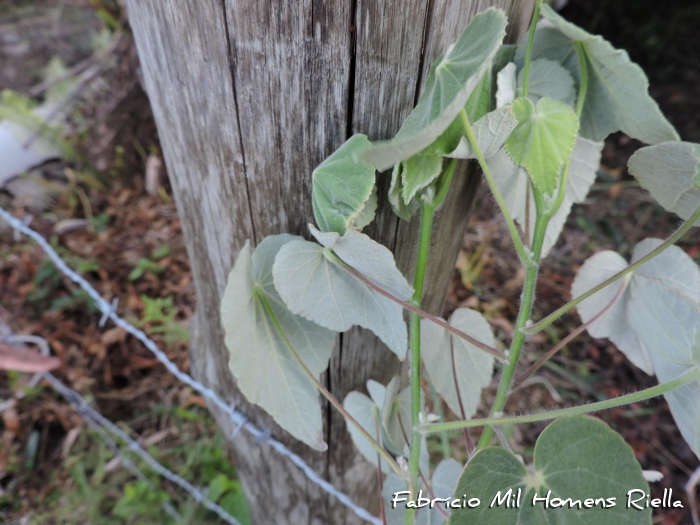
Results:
[103, 425]
[239, 419]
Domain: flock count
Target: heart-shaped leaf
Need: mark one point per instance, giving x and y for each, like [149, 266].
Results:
[314, 286]
[672, 272]
[265, 369]
[617, 98]
[576, 457]
[451, 81]
[543, 139]
[670, 171]
[472, 369]
[342, 186]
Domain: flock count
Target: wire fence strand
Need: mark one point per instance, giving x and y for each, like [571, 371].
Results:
[100, 423]
[239, 419]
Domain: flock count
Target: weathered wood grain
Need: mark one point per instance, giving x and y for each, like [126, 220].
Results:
[248, 98]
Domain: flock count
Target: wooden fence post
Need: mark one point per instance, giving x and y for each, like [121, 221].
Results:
[248, 97]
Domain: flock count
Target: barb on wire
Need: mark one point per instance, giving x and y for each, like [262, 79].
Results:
[237, 417]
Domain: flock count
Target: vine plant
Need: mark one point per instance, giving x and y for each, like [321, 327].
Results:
[533, 116]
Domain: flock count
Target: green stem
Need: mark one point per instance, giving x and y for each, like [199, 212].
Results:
[528, 51]
[525, 258]
[583, 89]
[330, 397]
[523, 316]
[544, 323]
[426, 222]
[687, 377]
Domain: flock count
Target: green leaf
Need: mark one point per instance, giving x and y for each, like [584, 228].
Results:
[395, 196]
[314, 286]
[577, 457]
[368, 211]
[668, 326]
[549, 79]
[672, 272]
[513, 185]
[543, 139]
[451, 81]
[342, 186]
[479, 102]
[265, 370]
[473, 368]
[670, 172]
[617, 98]
[418, 172]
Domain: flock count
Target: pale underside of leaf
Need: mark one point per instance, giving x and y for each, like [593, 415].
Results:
[668, 274]
[316, 288]
[265, 370]
[368, 211]
[371, 259]
[668, 171]
[549, 79]
[512, 182]
[668, 324]
[473, 366]
[490, 131]
[452, 79]
[543, 139]
[617, 97]
[342, 186]
[366, 413]
[576, 457]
